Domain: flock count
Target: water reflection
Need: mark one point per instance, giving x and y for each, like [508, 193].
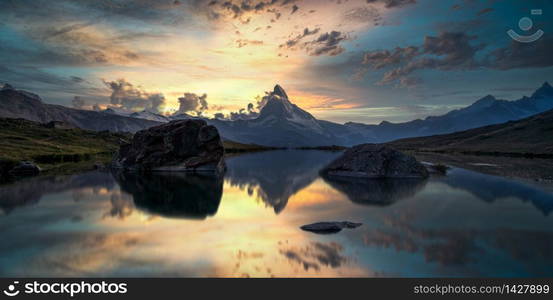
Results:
[29, 191]
[175, 195]
[381, 192]
[491, 188]
[276, 175]
[99, 224]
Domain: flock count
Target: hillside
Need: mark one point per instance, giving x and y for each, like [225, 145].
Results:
[22, 139]
[532, 136]
[27, 140]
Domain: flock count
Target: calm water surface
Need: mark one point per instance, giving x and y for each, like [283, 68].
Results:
[247, 224]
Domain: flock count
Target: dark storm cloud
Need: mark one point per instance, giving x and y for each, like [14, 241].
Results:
[191, 102]
[130, 97]
[393, 3]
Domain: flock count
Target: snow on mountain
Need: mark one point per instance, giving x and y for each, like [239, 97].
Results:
[147, 115]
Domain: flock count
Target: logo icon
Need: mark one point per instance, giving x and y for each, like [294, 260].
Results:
[525, 24]
[11, 290]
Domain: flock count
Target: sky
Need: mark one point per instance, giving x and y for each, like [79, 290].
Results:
[341, 60]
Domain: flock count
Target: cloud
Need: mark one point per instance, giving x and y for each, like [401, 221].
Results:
[239, 9]
[191, 102]
[454, 51]
[326, 44]
[522, 56]
[294, 41]
[447, 51]
[244, 42]
[366, 14]
[76, 79]
[294, 9]
[485, 11]
[392, 3]
[78, 102]
[133, 98]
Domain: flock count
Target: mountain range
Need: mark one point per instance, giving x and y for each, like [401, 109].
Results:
[21, 104]
[528, 136]
[283, 124]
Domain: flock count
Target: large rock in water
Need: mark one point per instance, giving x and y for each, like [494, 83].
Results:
[375, 161]
[184, 145]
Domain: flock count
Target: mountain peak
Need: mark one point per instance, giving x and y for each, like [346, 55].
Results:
[546, 90]
[278, 90]
[484, 102]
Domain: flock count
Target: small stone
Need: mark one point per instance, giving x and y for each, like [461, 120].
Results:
[329, 227]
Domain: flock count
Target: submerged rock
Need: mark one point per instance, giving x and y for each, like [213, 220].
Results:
[329, 227]
[25, 168]
[375, 161]
[183, 145]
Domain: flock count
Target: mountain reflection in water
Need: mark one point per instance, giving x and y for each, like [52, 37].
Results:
[129, 224]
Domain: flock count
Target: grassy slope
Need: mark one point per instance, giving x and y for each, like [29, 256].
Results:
[26, 140]
[63, 148]
[532, 136]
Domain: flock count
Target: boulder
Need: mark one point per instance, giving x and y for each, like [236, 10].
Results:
[329, 227]
[25, 168]
[375, 161]
[183, 145]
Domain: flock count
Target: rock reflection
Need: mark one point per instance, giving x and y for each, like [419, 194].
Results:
[380, 192]
[276, 175]
[174, 195]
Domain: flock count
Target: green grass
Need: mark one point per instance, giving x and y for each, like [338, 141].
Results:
[53, 148]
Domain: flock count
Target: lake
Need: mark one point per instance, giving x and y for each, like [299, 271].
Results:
[246, 224]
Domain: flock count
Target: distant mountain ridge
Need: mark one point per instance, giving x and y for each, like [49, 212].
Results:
[529, 136]
[281, 123]
[21, 104]
[486, 111]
